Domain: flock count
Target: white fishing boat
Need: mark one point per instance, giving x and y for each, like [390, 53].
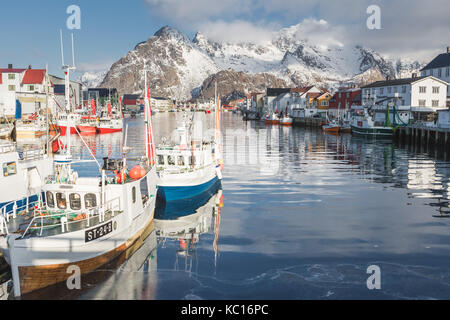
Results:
[24, 172]
[286, 121]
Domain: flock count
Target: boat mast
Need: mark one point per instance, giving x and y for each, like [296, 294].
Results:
[46, 106]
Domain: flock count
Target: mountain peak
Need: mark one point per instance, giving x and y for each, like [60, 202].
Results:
[171, 33]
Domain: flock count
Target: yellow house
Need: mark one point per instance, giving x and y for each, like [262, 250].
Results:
[322, 101]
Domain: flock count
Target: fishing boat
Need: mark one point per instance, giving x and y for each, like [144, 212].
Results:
[272, 118]
[25, 169]
[83, 222]
[331, 127]
[286, 121]
[31, 128]
[110, 122]
[187, 170]
[88, 124]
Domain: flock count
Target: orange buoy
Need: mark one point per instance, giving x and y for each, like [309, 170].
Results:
[137, 172]
[80, 217]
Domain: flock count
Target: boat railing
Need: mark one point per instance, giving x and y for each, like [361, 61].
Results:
[48, 223]
[32, 154]
[6, 148]
[15, 210]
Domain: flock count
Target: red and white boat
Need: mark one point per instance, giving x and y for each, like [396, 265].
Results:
[110, 123]
[286, 121]
[88, 124]
[64, 120]
[272, 119]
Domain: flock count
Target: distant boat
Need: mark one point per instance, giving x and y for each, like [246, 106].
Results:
[272, 119]
[331, 127]
[286, 121]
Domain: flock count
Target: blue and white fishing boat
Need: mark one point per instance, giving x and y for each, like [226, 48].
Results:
[187, 169]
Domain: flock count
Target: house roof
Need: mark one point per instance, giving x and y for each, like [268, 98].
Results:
[274, 92]
[394, 82]
[9, 70]
[33, 76]
[442, 60]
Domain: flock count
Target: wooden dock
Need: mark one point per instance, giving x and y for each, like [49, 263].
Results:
[432, 140]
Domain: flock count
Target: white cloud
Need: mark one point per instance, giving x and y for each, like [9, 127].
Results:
[413, 28]
[94, 66]
[237, 31]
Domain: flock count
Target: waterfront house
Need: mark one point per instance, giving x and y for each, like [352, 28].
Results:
[439, 67]
[343, 100]
[424, 95]
[25, 85]
[322, 101]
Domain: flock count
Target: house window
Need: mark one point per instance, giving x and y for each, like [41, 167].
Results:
[422, 89]
[192, 160]
[447, 72]
[170, 160]
[133, 194]
[435, 89]
[161, 159]
[439, 72]
[31, 87]
[348, 95]
[381, 90]
[180, 160]
[422, 103]
[435, 103]
[75, 201]
[12, 87]
[403, 89]
[61, 200]
[50, 199]
[395, 89]
[11, 76]
[9, 169]
[90, 200]
[389, 89]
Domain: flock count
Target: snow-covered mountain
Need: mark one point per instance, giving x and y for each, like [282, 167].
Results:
[181, 68]
[92, 79]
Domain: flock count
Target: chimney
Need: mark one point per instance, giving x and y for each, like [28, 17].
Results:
[10, 66]
[29, 67]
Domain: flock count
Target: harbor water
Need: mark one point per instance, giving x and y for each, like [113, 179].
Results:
[303, 219]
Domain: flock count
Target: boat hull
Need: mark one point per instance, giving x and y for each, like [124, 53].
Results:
[63, 130]
[87, 129]
[175, 202]
[384, 132]
[108, 130]
[272, 121]
[331, 129]
[33, 278]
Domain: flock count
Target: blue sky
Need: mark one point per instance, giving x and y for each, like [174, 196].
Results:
[109, 29]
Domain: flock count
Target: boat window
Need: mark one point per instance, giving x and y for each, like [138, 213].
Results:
[90, 200]
[50, 199]
[192, 160]
[75, 201]
[133, 194]
[170, 160]
[61, 200]
[180, 160]
[9, 169]
[161, 159]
